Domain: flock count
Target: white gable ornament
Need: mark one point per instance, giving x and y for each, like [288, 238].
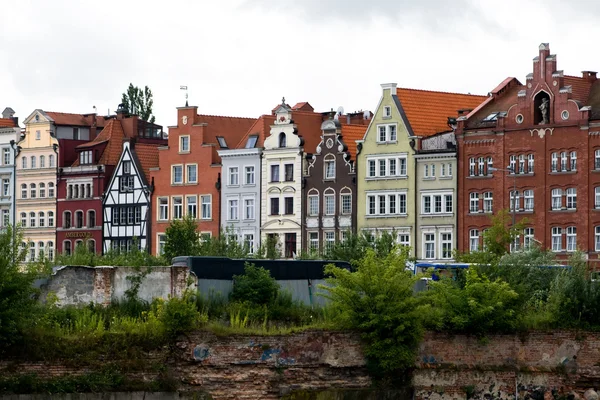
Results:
[184, 119]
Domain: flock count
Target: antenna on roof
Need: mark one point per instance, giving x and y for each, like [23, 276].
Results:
[186, 94]
[367, 114]
[340, 110]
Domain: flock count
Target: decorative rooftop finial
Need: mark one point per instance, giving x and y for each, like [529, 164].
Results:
[182, 87]
[283, 100]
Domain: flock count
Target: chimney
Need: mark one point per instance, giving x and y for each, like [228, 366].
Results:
[122, 111]
[589, 75]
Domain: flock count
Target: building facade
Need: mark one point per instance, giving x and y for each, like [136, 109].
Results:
[188, 178]
[329, 187]
[9, 135]
[534, 149]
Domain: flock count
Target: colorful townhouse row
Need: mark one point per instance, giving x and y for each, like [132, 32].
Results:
[432, 167]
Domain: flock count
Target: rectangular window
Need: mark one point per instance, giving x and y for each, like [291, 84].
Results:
[382, 168]
[528, 238]
[248, 208]
[381, 205]
[514, 201]
[329, 204]
[571, 238]
[402, 166]
[521, 163]
[249, 175]
[123, 215]
[138, 215]
[488, 202]
[530, 163]
[130, 215]
[474, 240]
[563, 161]
[472, 166]
[429, 244]
[426, 171]
[162, 240]
[371, 168]
[288, 205]
[329, 169]
[437, 204]
[371, 205]
[393, 135]
[313, 238]
[556, 239]
[571, 199]
[192, 206]
[329, 241]
[443, 170]
[597, 238]
[289, 172]
[556, 199]
[184, 144]
[402, 203]
[512, 166]
[6, 156]
[573, 160]
[177, 174]
[177, 208]
[481, 166]
[192, 173]
[490, 165]
[249, 242]
[5, 218]
[554, 162]
[274, 205]
[346, 200]
[5, 187]
[392, 204]
[528, 196]
[206, 207]
[392, 166]
[274, 173]
[233, 176]
[163, 208]
[232, 208]
[313, 205]
[382, 133]
[426, 204]
[403, 239]
[387, 112]
[446, 239]
[473, 202]
[597, 159]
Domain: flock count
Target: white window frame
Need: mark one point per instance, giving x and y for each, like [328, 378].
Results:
[188, 172]
[313, 241]
[160, 208]
[177, 207]
[390, 131]
[528, 237]
[174, 174]
[557, 195]
[249, 175]
[249, 208]
[571, 195]
[529, 203]
[474, 239]
[233, 176]
[382, 164]
[429, 243]
[473, 203]
[383, 199]
[184, 148]
[206, 206]
[488, 202]
[313, 204]
[571, 238]
[446, 246]
[233, 209]
[557, 239]
[387, 111]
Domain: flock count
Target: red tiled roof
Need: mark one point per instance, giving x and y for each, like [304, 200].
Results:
[428, 111]
[309, 128]
[496, 104]
[147, 155]
[75, 119]
[352, 133]
[303, 106]
[261, 128]
[112, 134]
[580, 88]
[230, 128]
[7, 123]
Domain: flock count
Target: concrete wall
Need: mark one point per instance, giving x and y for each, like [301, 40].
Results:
[81, 285]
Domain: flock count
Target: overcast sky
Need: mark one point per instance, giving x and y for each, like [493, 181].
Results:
[240, 57]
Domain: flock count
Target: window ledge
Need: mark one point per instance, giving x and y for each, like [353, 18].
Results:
[445, 177]
[564, 210]
[184, 152]
[480, 176]
[388, 142]
[250, 184]
[562, 172]
[386, 178]
[429, 178]
[233, 186]
[386, 216]
[434, 215]
[191, 183]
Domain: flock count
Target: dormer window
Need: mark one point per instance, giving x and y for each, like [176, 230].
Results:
[222, 142]
[85, 157]
[282, 140]
[251, 143]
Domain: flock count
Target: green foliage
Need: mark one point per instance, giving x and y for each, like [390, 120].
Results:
[138, 101]
[255, 286]
[133, 258]
[16, 287]
[182, 238]
[179, 315]
[481, 306]
[377, 300]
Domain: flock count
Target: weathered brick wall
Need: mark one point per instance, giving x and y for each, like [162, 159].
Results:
[537, 365]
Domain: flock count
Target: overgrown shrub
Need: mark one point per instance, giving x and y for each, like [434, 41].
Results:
[178, 315]
[255, 286]
[377, 300]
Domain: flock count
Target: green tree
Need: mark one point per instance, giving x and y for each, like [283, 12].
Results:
[256, 286]
[16, 287]
[377, 300]
[182, 238]
[138, 101]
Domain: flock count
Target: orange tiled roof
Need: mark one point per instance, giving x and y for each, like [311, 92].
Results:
[428, 111]
[309, 128]
[74, 119]
[231, 128]
[7, 123]
[580, 88]
[261, 128]
[352, 133]
[112, 134]
[147, 155]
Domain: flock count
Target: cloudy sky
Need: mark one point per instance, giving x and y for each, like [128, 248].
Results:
[240, 57]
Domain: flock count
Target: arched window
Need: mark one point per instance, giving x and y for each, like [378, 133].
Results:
[329, 201]
[91, 219]
[50, 218]
[24, 162]
[23, 219]
[33, 162]
[51, 159]
[50, 250]
[23, 191]
[42, 190]
[346, 201]
[41, 251]
[32, 190]
[78, 244]
[67, 247]
[79, 219]
[31, 251]
[41, 219]
[42, 162]
[282, 139]
[51, 189]
[329, 166]
[91, 243]
[23, 253]
[32, 219]
[313, 202]
[67, 219]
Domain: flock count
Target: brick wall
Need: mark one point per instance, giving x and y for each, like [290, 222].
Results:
[537, 365]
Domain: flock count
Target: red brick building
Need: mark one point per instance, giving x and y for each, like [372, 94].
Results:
[188, 180]
[544, 135]
[84, 174]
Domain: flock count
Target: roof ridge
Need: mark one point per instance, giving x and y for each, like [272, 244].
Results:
[223, 116]
[442, 92]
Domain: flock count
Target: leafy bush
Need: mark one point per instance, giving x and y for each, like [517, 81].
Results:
[481, 306]
[377, 300]
[256, 286]
[178, 315]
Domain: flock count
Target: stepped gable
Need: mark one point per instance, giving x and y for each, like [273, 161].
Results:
[428, 111]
